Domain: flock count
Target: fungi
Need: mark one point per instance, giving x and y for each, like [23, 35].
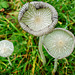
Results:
[59, 44]
[6, 49]
[38, 18]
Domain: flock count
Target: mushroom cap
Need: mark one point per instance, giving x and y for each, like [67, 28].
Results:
[49, 18]
[59, 43]
[6, 48]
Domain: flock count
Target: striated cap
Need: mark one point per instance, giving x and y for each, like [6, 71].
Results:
[38, 18]
[59, 43]
[6, 48]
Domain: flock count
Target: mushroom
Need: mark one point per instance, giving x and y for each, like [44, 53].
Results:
[59, 44]
[6, 49]
[38, 18]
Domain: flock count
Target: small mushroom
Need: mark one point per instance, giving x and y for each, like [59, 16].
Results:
[59, 43]
[38, 18]
[6, 49]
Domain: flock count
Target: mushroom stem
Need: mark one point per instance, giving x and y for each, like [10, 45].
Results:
[55, 65]
[40, 50]
[9, 61]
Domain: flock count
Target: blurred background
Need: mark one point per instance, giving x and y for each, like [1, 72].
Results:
[25, 58]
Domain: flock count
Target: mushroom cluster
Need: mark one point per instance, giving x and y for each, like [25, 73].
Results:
[39, 19]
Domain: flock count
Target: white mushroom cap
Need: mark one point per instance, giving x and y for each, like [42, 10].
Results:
[59, 43]
[6, 48]
[38, 19]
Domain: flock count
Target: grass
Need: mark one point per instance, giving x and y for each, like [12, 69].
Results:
[25, 58]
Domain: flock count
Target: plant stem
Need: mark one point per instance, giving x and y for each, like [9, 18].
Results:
[40, 50]
[55, 65]
[9, 61]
